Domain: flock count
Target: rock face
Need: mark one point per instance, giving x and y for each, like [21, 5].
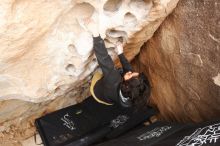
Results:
[46, 46]
[46, 52]
[183, 62]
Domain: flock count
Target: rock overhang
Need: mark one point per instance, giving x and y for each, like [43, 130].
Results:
[47, 46]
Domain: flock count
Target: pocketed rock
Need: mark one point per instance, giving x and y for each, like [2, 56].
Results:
[46, 57]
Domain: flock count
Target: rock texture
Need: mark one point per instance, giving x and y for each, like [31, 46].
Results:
[46, 46]
[46, 55]
[183, 62]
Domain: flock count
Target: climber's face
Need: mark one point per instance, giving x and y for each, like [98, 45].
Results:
[130, 74]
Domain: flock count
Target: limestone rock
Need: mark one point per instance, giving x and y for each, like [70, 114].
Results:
[183, 62]
[46, 52]
[46, 46]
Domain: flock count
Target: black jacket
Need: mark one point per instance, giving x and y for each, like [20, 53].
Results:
[107, 88]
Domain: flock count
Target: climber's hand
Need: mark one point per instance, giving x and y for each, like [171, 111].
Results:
[119, 48]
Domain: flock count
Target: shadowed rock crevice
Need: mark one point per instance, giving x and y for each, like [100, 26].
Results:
[181, 60]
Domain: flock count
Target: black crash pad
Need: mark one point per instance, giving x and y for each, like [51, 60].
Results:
[88, 122]
[171, 134]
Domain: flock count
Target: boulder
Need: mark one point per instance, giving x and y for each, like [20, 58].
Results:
[46, 56]
[182, 61]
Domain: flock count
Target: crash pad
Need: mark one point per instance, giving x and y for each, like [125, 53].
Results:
[171, 134]
[88, 122]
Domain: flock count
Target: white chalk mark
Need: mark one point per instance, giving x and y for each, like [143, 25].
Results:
[216, 79]
[213, 38]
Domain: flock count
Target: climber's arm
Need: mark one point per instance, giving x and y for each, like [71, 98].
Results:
[124, 62]
[104, 60]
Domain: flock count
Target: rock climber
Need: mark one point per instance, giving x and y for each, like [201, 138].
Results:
[126, 88]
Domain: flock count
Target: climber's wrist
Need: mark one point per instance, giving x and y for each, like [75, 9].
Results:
[119, 48]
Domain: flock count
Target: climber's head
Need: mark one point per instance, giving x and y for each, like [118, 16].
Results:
[135, 89]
